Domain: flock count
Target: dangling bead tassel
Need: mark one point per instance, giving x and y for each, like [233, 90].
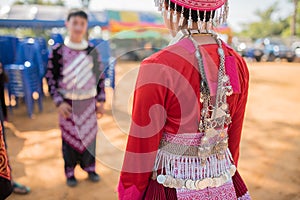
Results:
[210, 23]
[190, 21]
[199, 22]
[204, 21]
[181, 20]
[175, 14]
[163, 9]
[162, 12]
[169, 10]
[226, 11]
[217, 13]
[220, 18]
[160, 5]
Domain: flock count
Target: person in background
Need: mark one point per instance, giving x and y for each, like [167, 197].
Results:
[5, 175]
[3, 80]
[17, 187]
[188, 111]
[76, 83]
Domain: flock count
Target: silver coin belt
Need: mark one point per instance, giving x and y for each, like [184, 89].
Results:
[192, 151]
[169, 181]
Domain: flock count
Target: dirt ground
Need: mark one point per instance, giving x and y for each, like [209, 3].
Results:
[270, 154]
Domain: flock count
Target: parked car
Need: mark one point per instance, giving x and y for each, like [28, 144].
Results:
[243, 46]
[270, 49]
[296, 48]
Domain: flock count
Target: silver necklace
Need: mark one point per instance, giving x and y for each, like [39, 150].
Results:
[215, 111]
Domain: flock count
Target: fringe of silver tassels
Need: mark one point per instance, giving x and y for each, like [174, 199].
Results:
[188, 172]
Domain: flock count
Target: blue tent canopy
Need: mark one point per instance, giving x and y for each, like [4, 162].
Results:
[42, 17]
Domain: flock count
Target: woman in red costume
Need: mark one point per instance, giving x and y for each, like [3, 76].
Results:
[5, 174]
[188, 111]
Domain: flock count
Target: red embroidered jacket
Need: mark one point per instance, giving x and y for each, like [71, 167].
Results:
[166, 99]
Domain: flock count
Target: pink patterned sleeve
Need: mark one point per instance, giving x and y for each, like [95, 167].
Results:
[53, 74]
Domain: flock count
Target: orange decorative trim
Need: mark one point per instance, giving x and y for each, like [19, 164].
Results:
[4, 168]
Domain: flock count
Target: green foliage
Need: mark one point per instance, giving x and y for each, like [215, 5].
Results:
[266, 26]
[24, 32]
[41, 2]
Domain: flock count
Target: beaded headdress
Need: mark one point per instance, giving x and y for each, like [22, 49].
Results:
[216, 9]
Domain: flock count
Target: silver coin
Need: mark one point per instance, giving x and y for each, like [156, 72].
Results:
[168, 180]
[232, 170]
[173, 183]
[188, 184]
[208, 182]
[161, 179]
[193, 185]
[179, 183]
[201, 185]
[197, 184]
[216, 182]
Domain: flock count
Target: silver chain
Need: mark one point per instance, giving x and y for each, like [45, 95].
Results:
[213, 117]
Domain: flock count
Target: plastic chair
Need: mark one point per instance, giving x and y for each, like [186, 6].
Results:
[44, 50]
[57, 38]
[29, 50]
[8, 49]
[23, 82]
[110, 72]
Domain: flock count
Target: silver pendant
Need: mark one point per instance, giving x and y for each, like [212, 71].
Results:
[225, 79]
[210, 133]
[217, 113]
[224, 106]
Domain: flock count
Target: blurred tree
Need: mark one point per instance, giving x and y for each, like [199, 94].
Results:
[41, 2]
[294, 18]
[85, 3]
[60, 2]
[23, 32]
[266, 26]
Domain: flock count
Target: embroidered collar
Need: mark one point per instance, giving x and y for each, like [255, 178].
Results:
[179, 36]
[183, 33]
[76, 46]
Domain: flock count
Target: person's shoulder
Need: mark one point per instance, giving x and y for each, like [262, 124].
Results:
[232, 52]
[92, 49]
[241, 66]
[238, 58]
[56, 49]
[91, 45]
[57, 46]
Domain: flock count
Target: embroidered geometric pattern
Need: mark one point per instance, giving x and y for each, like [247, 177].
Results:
[81, 128]
[224, 192]
[245, 197]
[4, 168]
[78, 77]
